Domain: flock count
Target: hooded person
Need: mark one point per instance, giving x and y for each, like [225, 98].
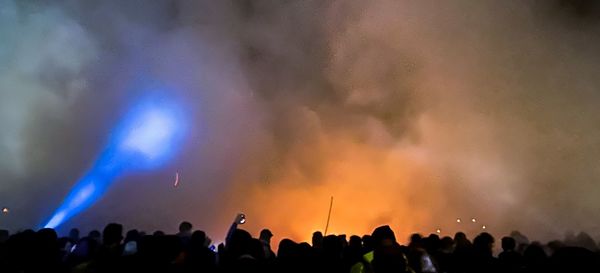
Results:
[386, 254]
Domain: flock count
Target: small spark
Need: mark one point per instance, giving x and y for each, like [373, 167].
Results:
[176, 179]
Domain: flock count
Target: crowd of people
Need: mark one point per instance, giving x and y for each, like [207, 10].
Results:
[379, 252]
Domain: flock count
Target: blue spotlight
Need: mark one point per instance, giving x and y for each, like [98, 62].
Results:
[148, 136]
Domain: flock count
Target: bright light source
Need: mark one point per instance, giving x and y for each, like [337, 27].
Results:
[438, 230]
[5, 210]
[146, 138]
[458, 220]
[151, 133]
[473, 220]
[483, 227]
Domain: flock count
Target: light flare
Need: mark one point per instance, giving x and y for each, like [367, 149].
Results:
[148, 136]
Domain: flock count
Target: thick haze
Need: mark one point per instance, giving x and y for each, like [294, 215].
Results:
[412, 113]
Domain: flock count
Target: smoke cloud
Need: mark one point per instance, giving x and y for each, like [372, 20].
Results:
[409, 113]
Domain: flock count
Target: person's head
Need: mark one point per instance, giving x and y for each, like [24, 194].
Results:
[484, 243]
[508, 244]
[343, 239]
[383, 236]
[317, 239]
[112, 234]
[447, 244]
[367, 242]
[431, 243]
[199, 239]
[74, 234]
[287, 249]
[47, 238]
[265, 235]
[461, 240]
[94, 235]
[132, 235]
[355, 242]
[238, 242]
[460, 236]
[185, 227]
[416, 240]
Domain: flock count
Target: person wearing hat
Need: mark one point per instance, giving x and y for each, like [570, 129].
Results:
[265, 239]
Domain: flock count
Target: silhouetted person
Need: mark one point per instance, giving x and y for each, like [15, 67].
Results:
[111, 249]
[343, 240]
[46, 252]
[42, 251]
[463, 253]
[131, 242]
[288, 257]
[238, 247]
[535, 259]
[199, 258]
[265, 238]
[332, 254]
[483, 259]
[418, 257]
[95, 235]
[510, 260]
[317, 240]
[185, 230]
[353, 252]
[383, 241]
[522, 241]
[74, 236]
[443, 255]
[390, 259]
[415, 251]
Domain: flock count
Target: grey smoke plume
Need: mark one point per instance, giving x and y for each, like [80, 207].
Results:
[413, 113]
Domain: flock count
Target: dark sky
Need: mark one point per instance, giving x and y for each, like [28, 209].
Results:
[412, 113]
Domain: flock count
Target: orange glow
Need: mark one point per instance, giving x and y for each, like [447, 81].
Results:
[371, 187]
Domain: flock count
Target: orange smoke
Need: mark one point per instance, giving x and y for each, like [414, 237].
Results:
[372, 185]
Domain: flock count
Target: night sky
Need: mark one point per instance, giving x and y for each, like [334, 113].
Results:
[409, 113]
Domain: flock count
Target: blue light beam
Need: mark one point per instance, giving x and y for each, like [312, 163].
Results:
[147, 138]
